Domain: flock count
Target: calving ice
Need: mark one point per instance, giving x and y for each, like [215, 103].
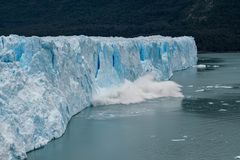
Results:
[44, 81]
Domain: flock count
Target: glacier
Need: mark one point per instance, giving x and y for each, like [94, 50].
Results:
[44, 81]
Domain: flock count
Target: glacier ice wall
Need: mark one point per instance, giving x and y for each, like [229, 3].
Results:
[44, 81]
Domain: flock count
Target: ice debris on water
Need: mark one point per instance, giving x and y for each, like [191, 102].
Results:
[200, 90]
[201, 66]
[225, 104]
[178, 140]
[222, 110]
[211, 103]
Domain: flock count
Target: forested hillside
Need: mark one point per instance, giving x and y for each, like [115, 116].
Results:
[214, 23]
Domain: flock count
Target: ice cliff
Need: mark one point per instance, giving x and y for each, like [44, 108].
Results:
[44, 81]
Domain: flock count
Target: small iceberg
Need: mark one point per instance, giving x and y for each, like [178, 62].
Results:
[201, 66]
[222, 110]
[178, 140]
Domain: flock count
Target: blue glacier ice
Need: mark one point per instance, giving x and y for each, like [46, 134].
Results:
[44, 81]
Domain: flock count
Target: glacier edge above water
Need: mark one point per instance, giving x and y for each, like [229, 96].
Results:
[44, 81]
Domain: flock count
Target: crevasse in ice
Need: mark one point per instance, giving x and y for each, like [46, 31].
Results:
[44, 81]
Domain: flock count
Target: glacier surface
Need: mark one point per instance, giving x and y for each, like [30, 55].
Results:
[44, 81]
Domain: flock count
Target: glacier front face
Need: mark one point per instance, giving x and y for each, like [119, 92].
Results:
[44, 81]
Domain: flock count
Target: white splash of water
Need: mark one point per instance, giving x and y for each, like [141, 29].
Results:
[140, 90]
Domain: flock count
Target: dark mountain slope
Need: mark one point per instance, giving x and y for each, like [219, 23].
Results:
[214, 23]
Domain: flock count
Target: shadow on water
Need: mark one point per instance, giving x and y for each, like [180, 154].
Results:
[205, 105]
[208, 60]
[211, 63]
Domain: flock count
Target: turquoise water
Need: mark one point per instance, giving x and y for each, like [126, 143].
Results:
[205, 125]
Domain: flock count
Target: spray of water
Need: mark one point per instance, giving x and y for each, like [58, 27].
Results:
[140, 90]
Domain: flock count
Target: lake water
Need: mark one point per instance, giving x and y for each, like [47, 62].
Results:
[205, 125]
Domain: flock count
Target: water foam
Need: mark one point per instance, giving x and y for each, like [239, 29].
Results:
[144, 88]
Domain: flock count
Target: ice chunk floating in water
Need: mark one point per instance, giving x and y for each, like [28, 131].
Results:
[44, 81]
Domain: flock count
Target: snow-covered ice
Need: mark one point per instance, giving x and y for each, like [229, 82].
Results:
[44, 81]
